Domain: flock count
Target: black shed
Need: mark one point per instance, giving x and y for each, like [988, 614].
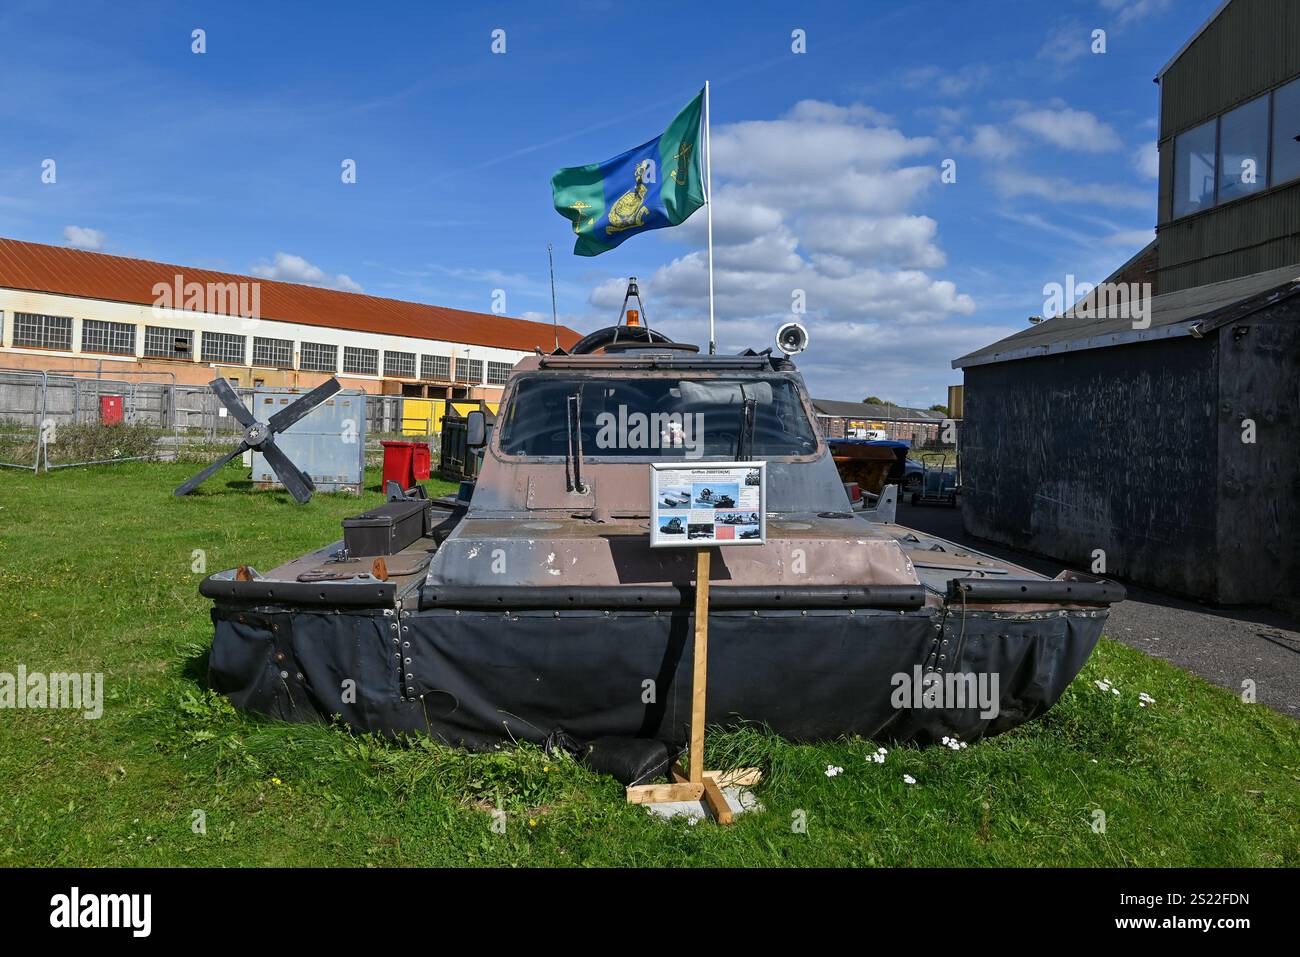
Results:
[1169, 452]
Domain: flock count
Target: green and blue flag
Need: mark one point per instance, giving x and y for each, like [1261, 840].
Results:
[656, 184]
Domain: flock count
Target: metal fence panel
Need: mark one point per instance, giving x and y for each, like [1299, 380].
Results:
[32, 402]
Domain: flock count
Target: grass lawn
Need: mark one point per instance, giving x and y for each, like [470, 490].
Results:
[97, 574]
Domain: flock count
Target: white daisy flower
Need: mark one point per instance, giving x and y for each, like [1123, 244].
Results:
[908, 779]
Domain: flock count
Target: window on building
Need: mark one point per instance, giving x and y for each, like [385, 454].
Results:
[223, 347]
[1286, 132]
[399, 365]
[164, 343]
[275, 353]
[498, 373]
[113, 338]
[42, 332]
[318, 357]
[435, 367]
[1194, 153]
[1243, 150]
[469, 370]
[358, 361]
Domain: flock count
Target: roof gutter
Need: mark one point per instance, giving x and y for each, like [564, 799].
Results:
[1078, 345]
[1196, 327]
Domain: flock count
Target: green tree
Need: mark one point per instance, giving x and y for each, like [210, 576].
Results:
[875, 400]
[939, 408]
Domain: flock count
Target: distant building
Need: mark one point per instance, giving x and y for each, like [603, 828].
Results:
[837, 419]
[1155, 438]
[73, 310]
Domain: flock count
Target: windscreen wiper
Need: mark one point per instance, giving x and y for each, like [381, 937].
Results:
[573, 454]
[745, 440]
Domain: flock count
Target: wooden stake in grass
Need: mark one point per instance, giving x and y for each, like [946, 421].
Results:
[700, 675]
[696, 783]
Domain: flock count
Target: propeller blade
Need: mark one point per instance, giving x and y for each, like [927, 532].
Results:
[291, 414]
[299, 484]
[230, 399]
[195, 480]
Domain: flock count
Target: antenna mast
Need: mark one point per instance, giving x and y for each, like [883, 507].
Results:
[555, 319]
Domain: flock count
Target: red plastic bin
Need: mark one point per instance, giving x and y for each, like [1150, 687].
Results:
[404, 462]
[422, 461]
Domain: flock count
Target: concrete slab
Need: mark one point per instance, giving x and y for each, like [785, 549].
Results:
[739, 799]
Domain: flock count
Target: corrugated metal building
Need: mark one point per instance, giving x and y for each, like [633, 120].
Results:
[1162, 439]
[1229, 201]
[1085, 434]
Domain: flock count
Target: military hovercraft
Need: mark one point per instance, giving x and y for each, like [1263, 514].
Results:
[534, 604]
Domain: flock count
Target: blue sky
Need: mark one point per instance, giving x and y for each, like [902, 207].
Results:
[826, 163]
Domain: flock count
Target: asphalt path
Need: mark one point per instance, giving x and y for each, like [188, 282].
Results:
[1225, 646]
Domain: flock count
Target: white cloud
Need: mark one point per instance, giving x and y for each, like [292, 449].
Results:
[1066, 43]
[908, 241]
[1131, 11]
[1132, 238]
[290, 268]
[948, 83]
[798, 148]
[82, 237]
[821, 111]
[945, 117]
[992, 142]
[1070, 129]
[1147, 161]
[820, 205]
[908, 365]
[1060, 189]
[1035, 221]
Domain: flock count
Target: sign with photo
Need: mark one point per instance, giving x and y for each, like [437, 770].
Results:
[721, 503]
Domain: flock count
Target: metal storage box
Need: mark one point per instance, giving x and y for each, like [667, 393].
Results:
[387, 529]
[329, 443]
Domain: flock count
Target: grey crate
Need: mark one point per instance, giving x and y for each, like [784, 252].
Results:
[329, 443]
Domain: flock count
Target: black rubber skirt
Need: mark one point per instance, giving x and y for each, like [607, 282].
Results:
[477, 678]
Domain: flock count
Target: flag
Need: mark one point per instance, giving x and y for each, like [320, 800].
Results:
[655, 185]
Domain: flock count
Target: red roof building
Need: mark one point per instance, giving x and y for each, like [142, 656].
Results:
[72, 309]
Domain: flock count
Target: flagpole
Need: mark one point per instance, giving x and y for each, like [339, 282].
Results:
[708, 202]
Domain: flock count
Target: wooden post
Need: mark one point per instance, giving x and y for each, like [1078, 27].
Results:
[697, 784]
[699, 678]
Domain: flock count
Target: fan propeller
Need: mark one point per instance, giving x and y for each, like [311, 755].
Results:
[261, 436]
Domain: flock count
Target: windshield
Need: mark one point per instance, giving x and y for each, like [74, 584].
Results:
[659, 418]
